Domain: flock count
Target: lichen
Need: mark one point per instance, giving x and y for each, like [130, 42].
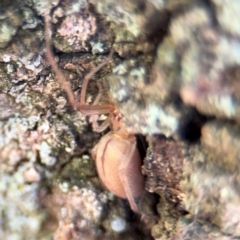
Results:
[174, 74]
[226, 11]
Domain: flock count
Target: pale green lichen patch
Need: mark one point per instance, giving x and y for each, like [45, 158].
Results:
[227, 12]
[156, 115]
[14, 18]
[6, 33]
[45, 154]
[19, 207]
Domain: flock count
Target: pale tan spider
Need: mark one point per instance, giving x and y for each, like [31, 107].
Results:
[117, 157]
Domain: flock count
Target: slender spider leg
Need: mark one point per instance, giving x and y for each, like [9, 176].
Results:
[85, 109]
[103, 109]
[95, 109]
[96, 127]
[100, 93]
[49, 55]
[90, 75]
[127, 177]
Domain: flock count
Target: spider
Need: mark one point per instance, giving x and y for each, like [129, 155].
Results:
[116, 155]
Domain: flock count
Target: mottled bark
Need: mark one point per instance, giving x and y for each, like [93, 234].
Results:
[174, 77]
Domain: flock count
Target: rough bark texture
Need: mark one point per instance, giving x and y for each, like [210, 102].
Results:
[174, 77]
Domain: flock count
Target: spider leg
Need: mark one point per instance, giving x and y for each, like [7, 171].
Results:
[100, 93]
[49, 55]
[96, 127]
[131, 176]
[94, 150]
[90, 75]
